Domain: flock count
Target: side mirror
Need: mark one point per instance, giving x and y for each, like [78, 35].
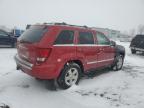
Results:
[28, 26]
[112, 43]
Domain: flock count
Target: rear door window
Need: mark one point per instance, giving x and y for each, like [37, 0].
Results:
[33, 34]
[85, 38]
[65, 37]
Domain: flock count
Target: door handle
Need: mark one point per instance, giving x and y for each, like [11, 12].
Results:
[101, 49]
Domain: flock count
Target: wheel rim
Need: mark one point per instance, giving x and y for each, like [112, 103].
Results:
[119, 62]
[71, 76]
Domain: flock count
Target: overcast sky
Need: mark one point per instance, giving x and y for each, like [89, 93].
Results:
[115, 14]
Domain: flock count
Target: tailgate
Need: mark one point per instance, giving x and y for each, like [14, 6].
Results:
[27, 52]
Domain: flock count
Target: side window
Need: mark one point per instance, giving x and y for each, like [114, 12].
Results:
[102, 40]
[85, 38]
[65, 37]
[3, 33]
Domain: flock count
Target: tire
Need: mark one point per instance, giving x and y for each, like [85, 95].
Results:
[133, 51]
[70, 75]
[37, 79]
[118, 63]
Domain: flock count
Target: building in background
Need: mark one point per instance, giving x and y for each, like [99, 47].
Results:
[110, 33]
[124, 37]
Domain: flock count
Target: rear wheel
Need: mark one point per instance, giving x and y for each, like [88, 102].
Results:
[70, 75]
[118, 63]
[38, 79]
[133, 51]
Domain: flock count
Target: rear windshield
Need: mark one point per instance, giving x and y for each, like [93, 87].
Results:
[33, 34]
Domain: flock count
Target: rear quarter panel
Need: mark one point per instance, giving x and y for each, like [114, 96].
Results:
[60, 55]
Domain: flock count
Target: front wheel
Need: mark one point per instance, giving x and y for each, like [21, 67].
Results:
[133, 51]
[70, 75]
[118, 63]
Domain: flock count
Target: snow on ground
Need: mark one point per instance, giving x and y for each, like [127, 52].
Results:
[106, 89]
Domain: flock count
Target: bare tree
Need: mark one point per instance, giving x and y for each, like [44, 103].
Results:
[132, 32]
[125, 32]
[140, 29]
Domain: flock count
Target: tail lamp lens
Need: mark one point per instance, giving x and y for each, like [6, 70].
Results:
[42, 55]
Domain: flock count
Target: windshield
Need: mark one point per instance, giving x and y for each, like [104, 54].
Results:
[139, 37]
[33, 34]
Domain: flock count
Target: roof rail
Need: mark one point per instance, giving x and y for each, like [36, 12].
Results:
[78, 26]
[56, 23]
[63, 23]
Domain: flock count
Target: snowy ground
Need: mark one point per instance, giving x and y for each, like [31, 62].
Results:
[108, 89]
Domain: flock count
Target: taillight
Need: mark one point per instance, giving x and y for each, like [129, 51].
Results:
[42, 54]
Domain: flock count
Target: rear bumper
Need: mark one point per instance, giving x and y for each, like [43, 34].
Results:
[43, 71]
[23, 63]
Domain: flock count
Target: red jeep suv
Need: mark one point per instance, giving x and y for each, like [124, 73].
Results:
[63, 52]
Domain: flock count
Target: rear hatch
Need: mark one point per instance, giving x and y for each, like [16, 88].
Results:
[28, 42]
[138, 42]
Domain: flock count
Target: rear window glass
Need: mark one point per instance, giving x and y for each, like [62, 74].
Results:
[33, 34]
